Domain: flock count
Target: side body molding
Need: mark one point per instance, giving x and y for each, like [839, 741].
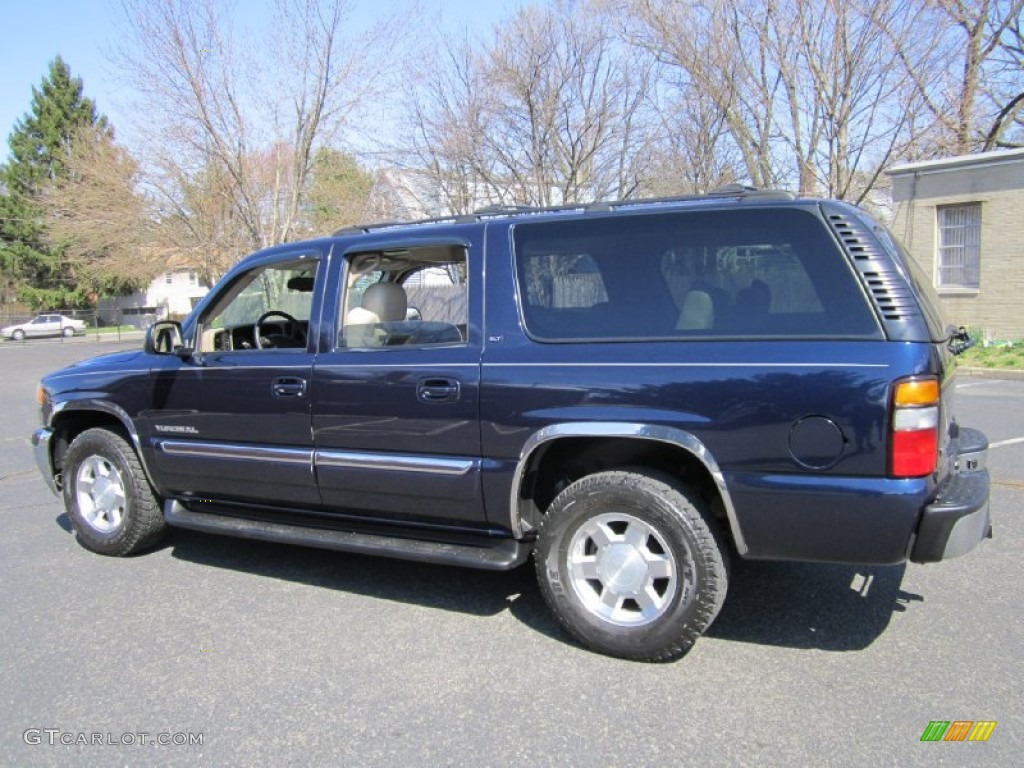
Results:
[670, 435]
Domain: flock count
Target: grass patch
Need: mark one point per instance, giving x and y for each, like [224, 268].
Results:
[994, 357]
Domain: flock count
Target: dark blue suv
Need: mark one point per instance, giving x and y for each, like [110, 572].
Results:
[631, 392]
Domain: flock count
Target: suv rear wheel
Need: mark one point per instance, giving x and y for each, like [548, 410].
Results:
[631, 565]
[107, 495]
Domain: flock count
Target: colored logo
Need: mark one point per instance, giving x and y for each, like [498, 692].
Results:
[958, 730]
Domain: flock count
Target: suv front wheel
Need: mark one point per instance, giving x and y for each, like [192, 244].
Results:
[107, 496]
[631, 565]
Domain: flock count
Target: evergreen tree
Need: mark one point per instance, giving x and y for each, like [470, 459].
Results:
[38, 146]
[339, 193]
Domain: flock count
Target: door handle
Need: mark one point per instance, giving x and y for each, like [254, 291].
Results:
[288, 387]
[439, 390]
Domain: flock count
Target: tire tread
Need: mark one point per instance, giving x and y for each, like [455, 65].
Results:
[709, 544]
[144, 523]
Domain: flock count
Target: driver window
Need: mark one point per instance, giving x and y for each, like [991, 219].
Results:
[408, 298]
[265, 308]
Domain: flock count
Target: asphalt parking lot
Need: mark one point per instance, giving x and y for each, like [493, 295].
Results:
[272, 654]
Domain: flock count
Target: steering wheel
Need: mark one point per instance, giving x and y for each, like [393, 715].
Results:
[293, 330]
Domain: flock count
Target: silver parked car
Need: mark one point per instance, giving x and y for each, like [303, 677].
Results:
[44, 325]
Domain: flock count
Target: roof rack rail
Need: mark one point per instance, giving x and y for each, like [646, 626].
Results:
[739, 191]
[730, 190]
[497, 210]
[362, 229]
[734, 189]
[742, 190]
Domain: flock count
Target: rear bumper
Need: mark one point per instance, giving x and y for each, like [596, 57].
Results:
[41, 449]
[958, 519]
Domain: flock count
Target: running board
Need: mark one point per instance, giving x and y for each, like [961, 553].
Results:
[491, 555]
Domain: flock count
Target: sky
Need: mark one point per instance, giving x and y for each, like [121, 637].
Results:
[83, 33]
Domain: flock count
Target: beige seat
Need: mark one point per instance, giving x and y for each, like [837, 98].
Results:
[698, 312]
[382, 303]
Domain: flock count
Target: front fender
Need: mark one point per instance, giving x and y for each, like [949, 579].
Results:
[80, 408]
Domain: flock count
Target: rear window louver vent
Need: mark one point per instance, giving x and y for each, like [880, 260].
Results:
[889, 291]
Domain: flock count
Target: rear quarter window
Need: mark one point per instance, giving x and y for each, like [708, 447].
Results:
[701, 274]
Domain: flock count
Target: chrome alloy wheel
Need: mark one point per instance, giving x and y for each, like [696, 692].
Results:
[622, 570]
[99, 490]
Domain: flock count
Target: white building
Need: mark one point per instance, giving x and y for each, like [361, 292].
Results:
[170, 295]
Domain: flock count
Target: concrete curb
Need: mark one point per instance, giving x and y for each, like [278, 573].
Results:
[992, 373]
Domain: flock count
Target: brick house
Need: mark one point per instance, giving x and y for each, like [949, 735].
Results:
[960, 218]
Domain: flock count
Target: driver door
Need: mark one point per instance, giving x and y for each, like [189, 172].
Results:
[232, 423]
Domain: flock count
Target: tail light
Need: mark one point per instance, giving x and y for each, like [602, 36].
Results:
[914, 437]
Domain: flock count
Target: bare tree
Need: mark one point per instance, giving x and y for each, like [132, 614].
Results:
[702, 47]
[96, 212]
[981, 26]
[693, 153]
[805, 91]
[1009, 59]
[198, 218]
[859, 106]
[240, 118]
[448, 111]
[571, 101]
[968, 77]
[552, 109]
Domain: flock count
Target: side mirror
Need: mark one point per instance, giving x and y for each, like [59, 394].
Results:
[960, 340]
[163, 338]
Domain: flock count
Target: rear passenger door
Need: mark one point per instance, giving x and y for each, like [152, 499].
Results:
[396, 396]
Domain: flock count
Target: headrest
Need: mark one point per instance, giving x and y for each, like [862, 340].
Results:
[386, 300]
[698, 312]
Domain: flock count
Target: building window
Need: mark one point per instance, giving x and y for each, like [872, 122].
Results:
[959, 255]
[191, 277]
[168, 278]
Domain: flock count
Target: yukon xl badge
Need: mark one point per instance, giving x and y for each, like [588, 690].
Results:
[175, 429]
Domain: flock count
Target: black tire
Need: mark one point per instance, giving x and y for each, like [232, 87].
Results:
[18, 335]
[107, 496]
[68, 331]
[657, 561]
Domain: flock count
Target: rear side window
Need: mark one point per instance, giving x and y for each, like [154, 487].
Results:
[700, 274]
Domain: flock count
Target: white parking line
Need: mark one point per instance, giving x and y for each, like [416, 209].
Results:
[1002, 443]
